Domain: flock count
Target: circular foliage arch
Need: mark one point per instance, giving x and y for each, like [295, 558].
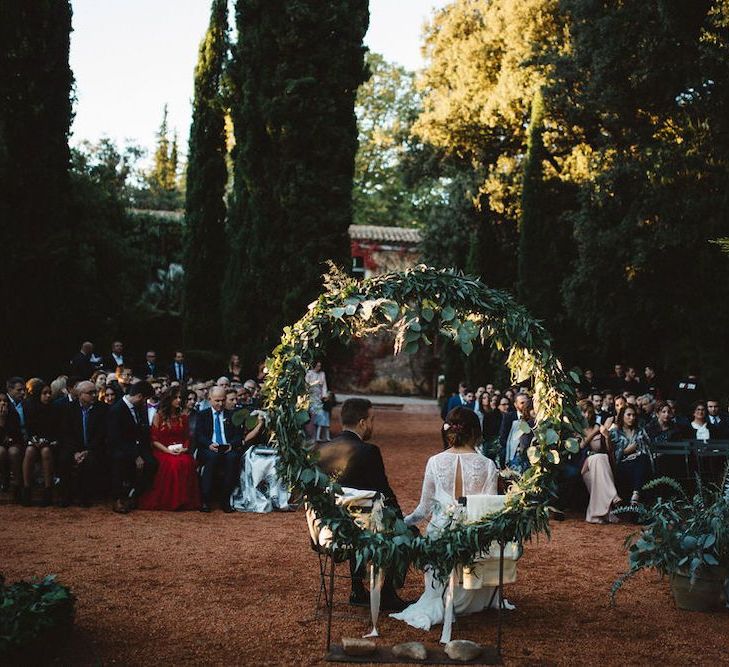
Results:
[417, 305]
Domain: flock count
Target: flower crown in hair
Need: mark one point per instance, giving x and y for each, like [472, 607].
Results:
[456, 428]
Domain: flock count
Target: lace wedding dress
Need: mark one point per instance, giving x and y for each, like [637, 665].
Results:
[479, 476]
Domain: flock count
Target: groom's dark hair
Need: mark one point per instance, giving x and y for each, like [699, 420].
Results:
[354, 409]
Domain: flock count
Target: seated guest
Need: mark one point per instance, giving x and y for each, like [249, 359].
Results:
[491, 416]
[717, 420]
[121, 381]
[82, 445]
[178, 369]
[699, 428]
[175, 485]
[17, 431]
[189, 399]
[43, 434]
[129, 447]
[108, 397]
[67, 394]
[662, 428]
[99, 378]
[10, 437]
[231, 400]
[597, 469]
[632, 453]
[217, 441]
[58, 388]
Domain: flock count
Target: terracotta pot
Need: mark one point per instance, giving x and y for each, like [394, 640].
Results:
[707, 592]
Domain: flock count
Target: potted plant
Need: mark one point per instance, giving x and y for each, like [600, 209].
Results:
[686, 538]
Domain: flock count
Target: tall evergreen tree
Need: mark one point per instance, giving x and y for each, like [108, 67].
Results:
[297, 67]
[38, 246]
[163, 177]
[544, 248]
[207, 176]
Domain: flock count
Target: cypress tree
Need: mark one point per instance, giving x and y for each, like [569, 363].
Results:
[39, 254]
[544, 252]
[207, 176]
[297, 67]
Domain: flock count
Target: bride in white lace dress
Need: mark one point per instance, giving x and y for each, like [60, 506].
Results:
[458, 471]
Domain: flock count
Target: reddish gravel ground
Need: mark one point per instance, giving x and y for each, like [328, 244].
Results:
[239, 590]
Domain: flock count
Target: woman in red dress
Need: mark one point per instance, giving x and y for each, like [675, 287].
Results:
[176, 485]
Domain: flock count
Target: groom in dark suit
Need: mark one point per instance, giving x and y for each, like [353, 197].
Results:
[218, 442]
[132, 462]
[358, 464]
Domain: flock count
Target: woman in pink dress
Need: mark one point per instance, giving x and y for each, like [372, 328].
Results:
[176, 485]
[597, 470]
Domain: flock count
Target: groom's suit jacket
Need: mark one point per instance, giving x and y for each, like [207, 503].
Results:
[357, 464]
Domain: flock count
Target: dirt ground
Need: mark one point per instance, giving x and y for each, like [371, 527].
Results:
[189, 588]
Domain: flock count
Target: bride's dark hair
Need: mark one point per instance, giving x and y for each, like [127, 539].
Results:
[461, 429]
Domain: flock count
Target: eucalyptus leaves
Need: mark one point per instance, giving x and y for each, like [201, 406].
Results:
[418, 305]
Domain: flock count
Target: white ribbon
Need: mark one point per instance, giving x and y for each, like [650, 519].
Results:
[376, 579]
[445, 636]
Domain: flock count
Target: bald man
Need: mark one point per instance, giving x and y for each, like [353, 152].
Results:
[218, 442]
[81, 365]
[83, 441]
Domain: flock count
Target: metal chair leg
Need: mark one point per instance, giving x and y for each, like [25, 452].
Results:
[501, 600]
[331, 604]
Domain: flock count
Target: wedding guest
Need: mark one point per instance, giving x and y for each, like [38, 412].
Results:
[175, 485]
[316, 380]
[115, 358]
[663, 428]
[231, 400]
[719, 422]
[456, 400]
[9, 454]
[596, 469]
[108, 397]
[81, 364]
[188, 409]
[58, 387]
[16, 393]
[68, 394]
[33, 387]
[82, 446]
[651, 383]
[632, 453]
[99, 379]
[492, 416]
[235, 369]
[178, 368]
[43, 434]
[129, 447]
[699, 428]
[121, 381]
[509, 433]
[150, 368]
[218, 442]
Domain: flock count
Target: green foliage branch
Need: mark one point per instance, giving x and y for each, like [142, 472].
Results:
[418, 305]
[33, 616]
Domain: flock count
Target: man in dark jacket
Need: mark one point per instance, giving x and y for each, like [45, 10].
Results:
[83, 445]
[358, 464]
[133, 466]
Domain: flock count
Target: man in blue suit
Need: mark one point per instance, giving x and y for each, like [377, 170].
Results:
[464, 399]
[218, 442]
